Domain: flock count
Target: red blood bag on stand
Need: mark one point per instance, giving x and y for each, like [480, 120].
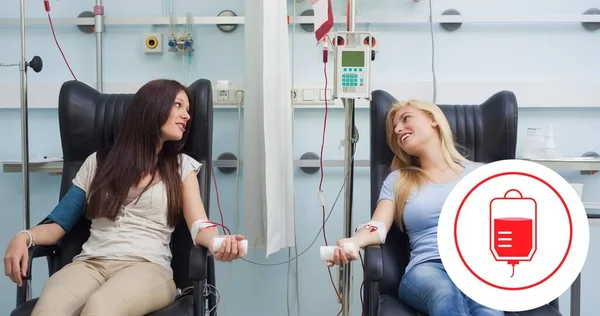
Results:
[513, 228]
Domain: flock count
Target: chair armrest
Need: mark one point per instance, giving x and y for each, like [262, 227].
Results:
[36, 252]
[373, 263]
[198, 274]
[198, 263]
[39, 252]
[373, 274]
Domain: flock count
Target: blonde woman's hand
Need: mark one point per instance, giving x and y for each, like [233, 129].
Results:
[342, 255]
[231, 248]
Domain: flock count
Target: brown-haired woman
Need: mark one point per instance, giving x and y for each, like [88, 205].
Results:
[133, 193]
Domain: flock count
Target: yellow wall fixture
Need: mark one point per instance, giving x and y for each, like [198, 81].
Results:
[153, 43]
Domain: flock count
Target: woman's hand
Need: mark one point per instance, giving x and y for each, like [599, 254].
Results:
[231, 248]
[16, 258]
[341, 255]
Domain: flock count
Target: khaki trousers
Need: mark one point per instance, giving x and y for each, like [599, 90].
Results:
[98, 287]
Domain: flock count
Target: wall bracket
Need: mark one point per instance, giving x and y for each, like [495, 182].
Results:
[308, 27]
[86, 28]
[228, 156]
[227, 28]
[591, 154]
[450, 27]
[591, 26]
[310, 156]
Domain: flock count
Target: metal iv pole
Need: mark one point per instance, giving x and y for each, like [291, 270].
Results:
[345, 282]
[99, 29]
[24, 124]
[36, 65]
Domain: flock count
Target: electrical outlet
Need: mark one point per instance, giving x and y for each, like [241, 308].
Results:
[294, 95]
[307, 96]
[223, 95]
[238, 95]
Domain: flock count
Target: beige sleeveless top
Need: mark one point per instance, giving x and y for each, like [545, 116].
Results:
[140, 231]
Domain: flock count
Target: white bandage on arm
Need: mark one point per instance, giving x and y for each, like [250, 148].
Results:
[375, 227]
[199, 225]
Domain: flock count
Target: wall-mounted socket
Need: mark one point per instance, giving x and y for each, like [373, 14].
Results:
[238, 95]
[223, 95]
[152, 43]
[228, 96]
[294, 95]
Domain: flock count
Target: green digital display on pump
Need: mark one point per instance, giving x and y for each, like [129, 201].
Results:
[353, 58]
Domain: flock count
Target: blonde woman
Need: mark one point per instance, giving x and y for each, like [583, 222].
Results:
[425, 169]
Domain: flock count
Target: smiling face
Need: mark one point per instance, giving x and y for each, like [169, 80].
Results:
[413, 128]
[176, 123]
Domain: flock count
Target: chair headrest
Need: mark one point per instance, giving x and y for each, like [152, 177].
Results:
[90, 120]
[487, 131]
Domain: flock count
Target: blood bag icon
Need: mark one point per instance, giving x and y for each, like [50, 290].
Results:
[513, 228]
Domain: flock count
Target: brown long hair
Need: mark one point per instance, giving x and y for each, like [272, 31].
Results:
[134, 153]
[411, 175]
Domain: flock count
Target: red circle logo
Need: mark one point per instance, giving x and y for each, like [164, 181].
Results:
[533, 284]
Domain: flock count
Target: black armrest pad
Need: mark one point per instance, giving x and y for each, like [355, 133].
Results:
[39, 252]
[373, 263]
[198, 263]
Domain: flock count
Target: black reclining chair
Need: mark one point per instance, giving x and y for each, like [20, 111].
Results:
[89, 120]
[489, 133]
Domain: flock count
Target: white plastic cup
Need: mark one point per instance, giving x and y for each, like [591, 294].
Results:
[327, 252]
[218, 241]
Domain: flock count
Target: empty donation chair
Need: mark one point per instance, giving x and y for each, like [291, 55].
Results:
[489, 133]
[89, 121]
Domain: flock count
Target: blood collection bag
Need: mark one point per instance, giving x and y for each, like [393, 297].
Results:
[513, 228]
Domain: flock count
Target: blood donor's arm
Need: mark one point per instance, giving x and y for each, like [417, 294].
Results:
[371, 233]
[375, 231]
[381, 222]
[194, 212]
[204, 232]
[64, 216]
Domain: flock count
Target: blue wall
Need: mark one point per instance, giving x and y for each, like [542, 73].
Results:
[477, 52]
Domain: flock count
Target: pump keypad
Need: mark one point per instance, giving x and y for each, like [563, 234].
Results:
[352, 77]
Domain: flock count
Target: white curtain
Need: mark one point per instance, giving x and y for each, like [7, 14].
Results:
[268, 162]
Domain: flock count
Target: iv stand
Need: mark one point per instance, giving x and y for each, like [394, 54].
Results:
[35, 64]
[345, 271]
[24, 135]
[24, 123]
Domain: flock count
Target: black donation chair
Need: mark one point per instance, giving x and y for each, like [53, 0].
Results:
[89, 121]
[488, 132]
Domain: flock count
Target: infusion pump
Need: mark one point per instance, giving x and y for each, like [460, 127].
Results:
[352, 78]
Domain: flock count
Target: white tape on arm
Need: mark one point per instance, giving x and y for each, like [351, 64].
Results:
[375, 226]
[199, 225]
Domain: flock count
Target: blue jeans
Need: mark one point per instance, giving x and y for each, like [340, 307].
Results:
[428, 289]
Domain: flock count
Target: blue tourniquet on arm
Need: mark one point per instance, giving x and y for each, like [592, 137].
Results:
[70, 209]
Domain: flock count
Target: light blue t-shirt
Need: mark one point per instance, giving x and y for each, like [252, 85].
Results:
[422, 212]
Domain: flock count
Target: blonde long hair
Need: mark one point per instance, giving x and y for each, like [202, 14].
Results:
[411, 175]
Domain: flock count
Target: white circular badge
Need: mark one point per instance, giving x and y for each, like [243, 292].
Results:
[513, 235]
